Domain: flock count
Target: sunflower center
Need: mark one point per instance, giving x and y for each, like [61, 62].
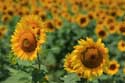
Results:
[102, 33]
[0, 34]
[43, 17]
[110, 21]
[59, 23]
[122, 29]
[50, 25]
[123, 44]
[113, 13]
[91, 58]
[10, 13]
[90, 16]
[28, 42]
[100, 22]
[112, 28]
[112, 67]
[33, 24]
[82, 20]
[36, 12]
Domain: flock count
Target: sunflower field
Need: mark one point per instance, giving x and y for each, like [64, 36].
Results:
[62, 41]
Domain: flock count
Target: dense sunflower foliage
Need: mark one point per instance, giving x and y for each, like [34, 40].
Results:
[62, 41]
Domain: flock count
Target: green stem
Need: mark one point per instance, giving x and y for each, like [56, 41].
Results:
[39, 65]
[38, 58]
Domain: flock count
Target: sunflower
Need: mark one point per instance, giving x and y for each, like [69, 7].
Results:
[35, 10]
[74, 8]
[101, 32]
[120, 12]
[121, 28]
[65, 14]
[116, 12]
[25, 46]
[100, 14]
[6, 18]
[113, 67]
[82, 20]
[10, 11]
[3, 31]
[33, 3]
[68, 63]
[100, 22]
[121, 45]
[3, 6]
[32, 20]
[43, 16]
[91, 58]
[55, 11]
[25, 10]
[91, 15]
[57, 22]
[86, 5]
[20, 12]
[112, 27]
[49, 26]
[35, 23]
[124, 70]
[100, 17]
[109, 20]
[23, 3]
[40, 12]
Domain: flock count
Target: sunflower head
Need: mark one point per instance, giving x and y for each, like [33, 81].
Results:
[115, 12]
[124, 70]
[121, 45]
[57, 22]
[10, 11]
[68, 63]
[43, 16]
[24, 46]
[27, 38]
[113, 67]
[101, 31]
[3, 31]
[74, 9]
[82, 20]
[36, 24]
[36, 11]
[91, 58]
[6, 18]
[109, 20]
[32, 20]
[112, 28]
[91, 15]
[100, 22]
[49, 26]
[100, 14]
[121, 28]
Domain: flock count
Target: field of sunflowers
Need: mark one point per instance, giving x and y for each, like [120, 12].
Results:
[62, 41]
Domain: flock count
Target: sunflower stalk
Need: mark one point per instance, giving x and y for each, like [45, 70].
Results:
[83, 80]
[39, 64]
[38, 59]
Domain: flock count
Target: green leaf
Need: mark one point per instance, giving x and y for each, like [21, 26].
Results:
[38, 75]
[71, 78]
[18, 77]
